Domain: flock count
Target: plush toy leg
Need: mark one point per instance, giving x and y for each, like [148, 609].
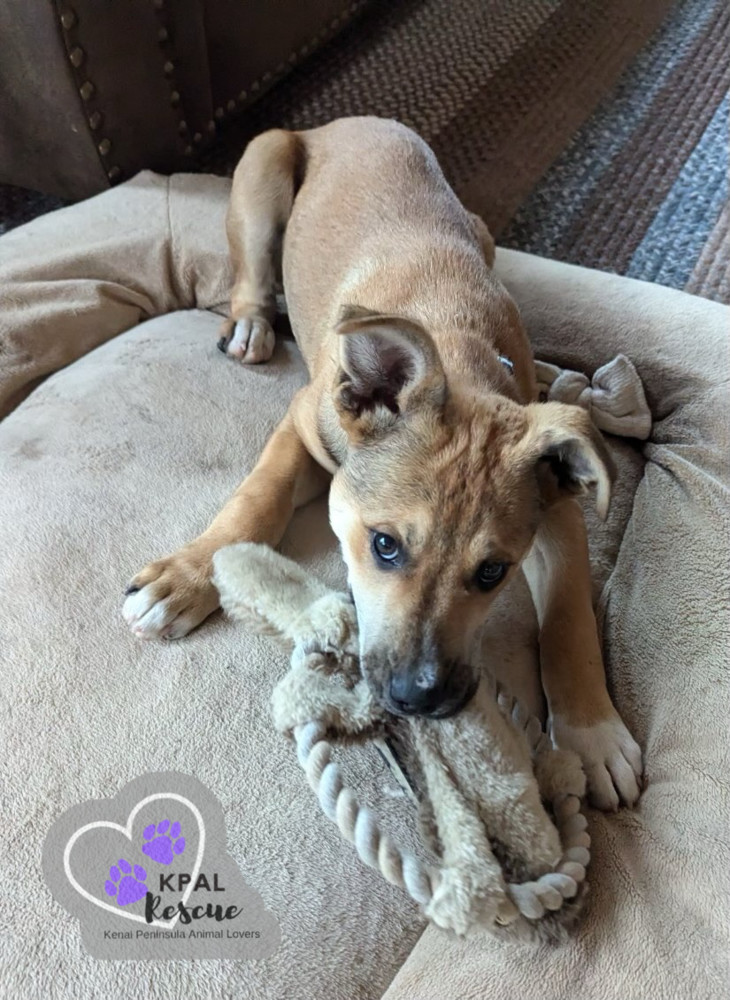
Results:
[274, 595]
[471, 891]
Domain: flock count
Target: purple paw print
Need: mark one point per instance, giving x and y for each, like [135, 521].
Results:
[163, 842]
[127, 887]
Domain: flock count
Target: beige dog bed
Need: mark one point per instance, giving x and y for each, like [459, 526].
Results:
[127, 452]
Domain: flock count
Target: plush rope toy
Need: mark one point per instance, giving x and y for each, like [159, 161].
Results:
[481, 777]
[499, 806]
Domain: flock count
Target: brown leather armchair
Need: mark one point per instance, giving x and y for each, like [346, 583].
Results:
[91, 91]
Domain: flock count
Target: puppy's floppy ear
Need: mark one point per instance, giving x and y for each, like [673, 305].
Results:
[389, 366]
[569, 452]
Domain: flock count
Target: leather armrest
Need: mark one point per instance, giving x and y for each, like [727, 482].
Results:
[92, 92]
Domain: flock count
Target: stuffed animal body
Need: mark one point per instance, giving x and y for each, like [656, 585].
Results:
[481, 778]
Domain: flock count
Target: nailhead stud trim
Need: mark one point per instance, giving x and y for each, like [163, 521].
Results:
[87, 90]
[292, 60]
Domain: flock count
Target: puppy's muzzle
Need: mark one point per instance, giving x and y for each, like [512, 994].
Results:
[434, 694]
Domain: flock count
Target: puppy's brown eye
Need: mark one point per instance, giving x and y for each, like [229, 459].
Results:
[385, 548]
[489, 575]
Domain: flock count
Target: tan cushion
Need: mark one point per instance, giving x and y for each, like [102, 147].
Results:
[127, 453]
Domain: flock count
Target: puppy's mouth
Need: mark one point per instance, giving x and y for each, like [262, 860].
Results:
[449, 710]
[448, 705]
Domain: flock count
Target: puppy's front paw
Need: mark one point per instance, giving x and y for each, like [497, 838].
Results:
[250, 340]
[611, 758]
[170, 597]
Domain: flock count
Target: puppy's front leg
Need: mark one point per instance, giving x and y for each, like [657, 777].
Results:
[171, 596]
[582, 715]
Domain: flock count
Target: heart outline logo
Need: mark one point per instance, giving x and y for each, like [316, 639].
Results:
[127, 831]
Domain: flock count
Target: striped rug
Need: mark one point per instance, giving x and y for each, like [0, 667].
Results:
[642, 187]
[591, 131]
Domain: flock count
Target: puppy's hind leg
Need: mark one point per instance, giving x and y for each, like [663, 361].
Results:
[264, 186]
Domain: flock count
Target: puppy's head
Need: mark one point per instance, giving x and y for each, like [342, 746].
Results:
[437, 503]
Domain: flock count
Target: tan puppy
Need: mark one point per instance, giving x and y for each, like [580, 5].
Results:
[447, 477]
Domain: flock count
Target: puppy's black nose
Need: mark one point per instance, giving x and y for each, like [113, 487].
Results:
[416, 693]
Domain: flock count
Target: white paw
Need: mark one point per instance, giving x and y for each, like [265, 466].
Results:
[168, 599]
[611, 758]
[251, 341]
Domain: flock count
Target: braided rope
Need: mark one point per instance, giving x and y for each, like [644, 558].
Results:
[359, 826]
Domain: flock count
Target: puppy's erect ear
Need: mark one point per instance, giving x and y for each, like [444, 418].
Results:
[389, 366]
[570, 453]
